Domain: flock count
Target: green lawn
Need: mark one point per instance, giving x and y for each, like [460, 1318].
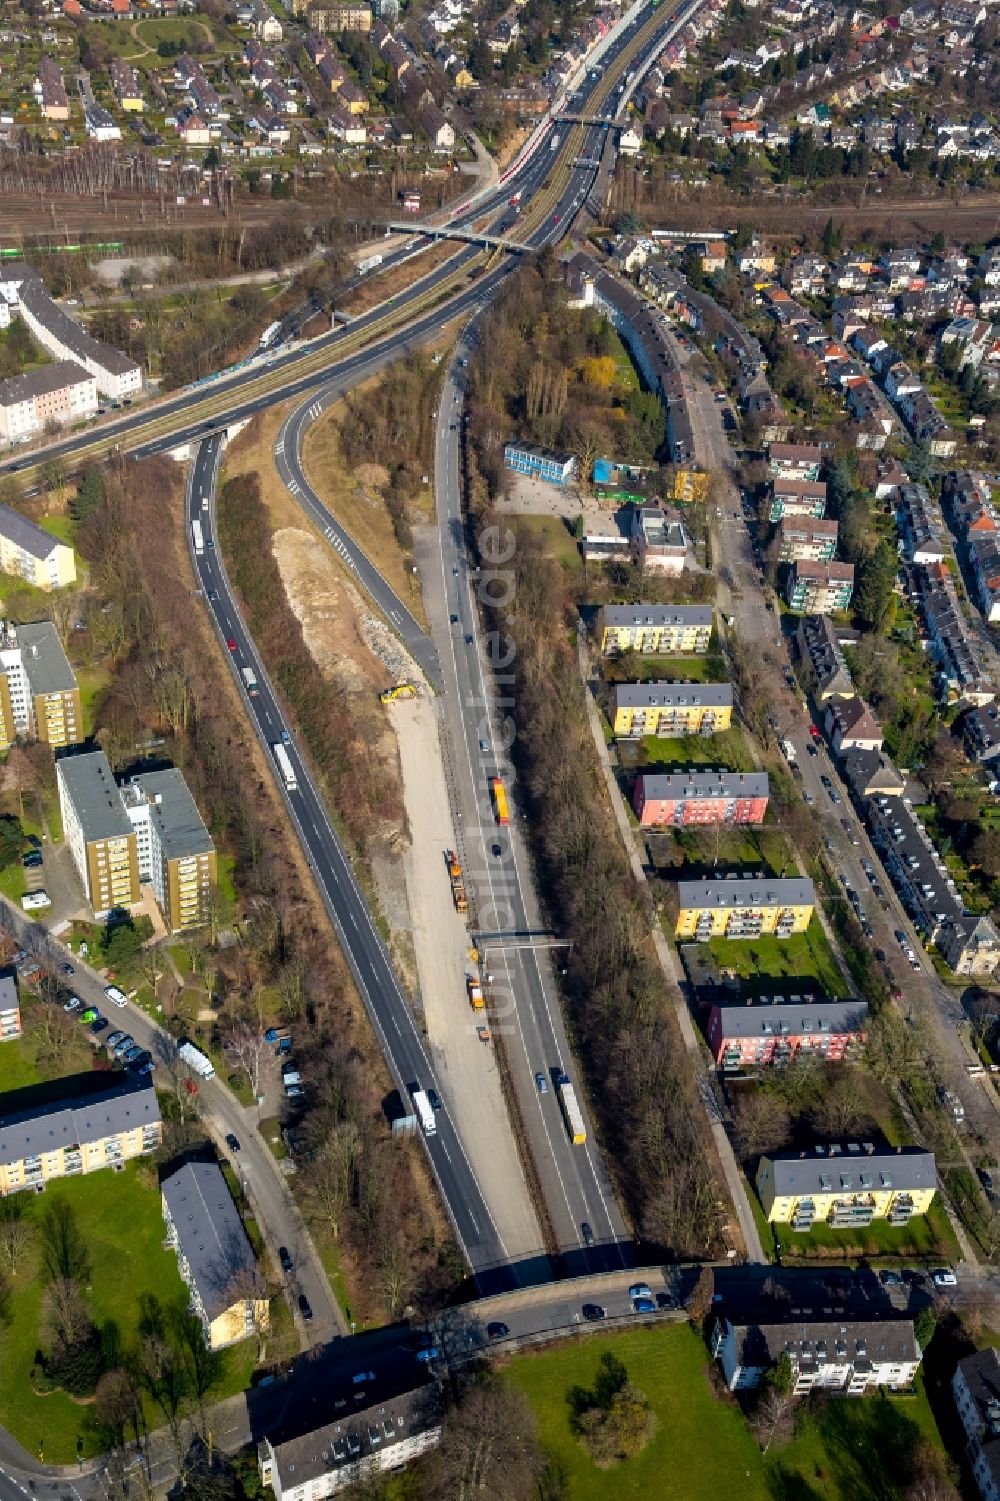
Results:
[762, 849]
[803, 956]
[728, 749]
[60, 526]
[701, 1445]
[928, 1236]
[559, 542]
[707, 668]
[20, 1061]
[92, 682]
[702, 1449]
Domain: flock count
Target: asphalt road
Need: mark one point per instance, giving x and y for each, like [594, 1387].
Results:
[526, 1008]
[384, 998]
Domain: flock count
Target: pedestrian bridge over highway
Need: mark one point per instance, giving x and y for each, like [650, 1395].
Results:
[455, 232]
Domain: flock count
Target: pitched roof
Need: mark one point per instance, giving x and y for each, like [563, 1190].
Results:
[851, 1169]
[210, 1233]
[122, 1105]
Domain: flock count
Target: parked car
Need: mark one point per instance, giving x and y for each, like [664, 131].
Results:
[134, 1053]
[305, 1309]
[232, 1141]
[640, 1290]
[497, 1330]
[944, 1277]
[116, 996]
[643, 1305]
[66, 969]
[593, 1312]
[100, 1025]
[284, 1257]
[128, 1041]
[73, 1004]
[113, 1040]
[90, 1015]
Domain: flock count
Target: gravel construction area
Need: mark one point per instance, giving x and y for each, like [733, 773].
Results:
[464, 1068]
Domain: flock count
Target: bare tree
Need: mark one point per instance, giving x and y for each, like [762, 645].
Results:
[16, 1234]
[772, 1418]
[245, 1042]
[488, 1450]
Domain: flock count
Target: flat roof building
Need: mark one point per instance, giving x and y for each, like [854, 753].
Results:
[39, 696]
[555, 467]
[174, 848]
[98, 831]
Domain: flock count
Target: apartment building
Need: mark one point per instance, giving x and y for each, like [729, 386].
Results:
[174, 849]
[656, 630]
[794, 460]
[53, 394]
[556, 468]
[103, 1122]
[828, 1351]
[764, 1030]
[50, 90]
[847, 1187]
[975, 1386]
[659, 542]
[670, 709]
[39, 697]
[358, 1441]
[819, 588]
[684, 799]
[10, 1009]
[919, 520]
[214, 1256]
[332, 19]
[791, 496]
[98, 831]
[117, 376]
[33, 554]
[743, 907]
[819, 647]
[805, 537]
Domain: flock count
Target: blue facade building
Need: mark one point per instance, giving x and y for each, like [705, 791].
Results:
[540, 463]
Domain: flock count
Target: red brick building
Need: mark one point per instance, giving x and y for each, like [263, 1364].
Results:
[744, 1033]
[684, 798]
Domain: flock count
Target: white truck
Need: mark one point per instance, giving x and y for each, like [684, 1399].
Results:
[196, 537]
[368, 264]
[788, 751]
[250, 679]
[196, 1060]
[425, 1114]
[268, 334]
[285, 766]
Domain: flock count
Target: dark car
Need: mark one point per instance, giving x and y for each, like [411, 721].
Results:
[66, 969]
[284, 1256]
[593, 1312]
[497, 1330]
[232, 1141]
[453, 619]
[100, 1025]
[433, 1099]
[890, 1279]
[304, 1309]
[587, 1233]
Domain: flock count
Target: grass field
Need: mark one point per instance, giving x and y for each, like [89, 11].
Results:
[22, 1063]
[709, 668]
[728, 749]
[60, 526]
[927, 1236]
[804, 956]
[560, 542]
[702, 1449]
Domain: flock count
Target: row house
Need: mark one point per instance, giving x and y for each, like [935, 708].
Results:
[682, 799]
[963, 671]
[798, 461]
[763, 1031]
[743, 907]
[819, 648]
[919, 522]
[196, 87]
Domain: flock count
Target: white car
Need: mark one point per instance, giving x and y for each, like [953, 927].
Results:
[116, 996]
[34, 900]
[944, 1277]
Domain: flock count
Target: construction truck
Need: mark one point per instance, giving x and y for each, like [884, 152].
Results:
[475, 990]
[457, 884]
[483, 1033]
[401, 690]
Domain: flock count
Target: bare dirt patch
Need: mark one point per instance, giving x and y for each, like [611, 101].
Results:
[390, 283]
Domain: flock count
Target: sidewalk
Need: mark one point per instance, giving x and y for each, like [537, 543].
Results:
[668, 964]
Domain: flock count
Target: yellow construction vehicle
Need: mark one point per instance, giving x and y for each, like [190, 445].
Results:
[401, 690]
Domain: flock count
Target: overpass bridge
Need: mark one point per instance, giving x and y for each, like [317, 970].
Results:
[608, 121]
[454, 232]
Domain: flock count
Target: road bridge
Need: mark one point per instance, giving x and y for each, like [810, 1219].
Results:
[455, 232]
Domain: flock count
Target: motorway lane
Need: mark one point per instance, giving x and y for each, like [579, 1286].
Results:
[386, 1003]
[574, 1180]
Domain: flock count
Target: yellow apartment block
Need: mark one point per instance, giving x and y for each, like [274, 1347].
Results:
[659, 630]
[670, 709]
[846, 1188]
[98, 832]
[214, 1256]
[78, 1134]
[744, 907]
[39, 697]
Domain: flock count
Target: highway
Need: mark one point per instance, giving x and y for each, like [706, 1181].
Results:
[385, 1001]
[524, 997]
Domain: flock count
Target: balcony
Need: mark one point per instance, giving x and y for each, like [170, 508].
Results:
[848, 1216]
[902, 1210]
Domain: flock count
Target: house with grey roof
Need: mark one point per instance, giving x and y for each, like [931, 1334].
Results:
[33, 554]
[214, 1256]
[828, 1351]
[975, 1387]
[102, 1122]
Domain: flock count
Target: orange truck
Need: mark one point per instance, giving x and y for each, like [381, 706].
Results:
[475, 993]
[457, 884]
